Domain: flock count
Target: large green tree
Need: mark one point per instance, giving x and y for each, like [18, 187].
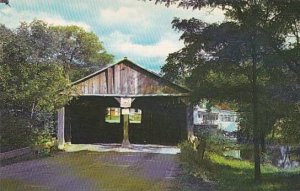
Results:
[36, 61]
[244, 59]
[30, 83]
[79, 51]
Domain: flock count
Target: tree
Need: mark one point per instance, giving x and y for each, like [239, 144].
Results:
[28, 68]
[79, 50]
[5, 2]
[231, 61]
[29, 87]
[33, 74]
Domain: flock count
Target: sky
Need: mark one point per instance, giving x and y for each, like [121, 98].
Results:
[136, 29]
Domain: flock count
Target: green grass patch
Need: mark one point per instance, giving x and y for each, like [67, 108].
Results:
[112, 119]
[136, 118]
[237, 175]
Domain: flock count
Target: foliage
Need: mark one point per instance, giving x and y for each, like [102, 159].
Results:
[194, 154]
[208, 139]
[188, 152]
[232, 174]
[35, 63]
[237, 175]
[287, 129]
[9, 138]
[17, 132]
[193, 160]
[30, 85]
[245, 59]
[79, 50]
[30, 79]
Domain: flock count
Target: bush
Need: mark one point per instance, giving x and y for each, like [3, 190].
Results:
[193, 153]
[17, 132]
[188, 153]
[44, 143]
[213, 141]
[192, 160]
[14, 133]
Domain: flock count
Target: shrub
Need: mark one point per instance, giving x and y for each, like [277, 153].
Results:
[14, 133]
[17, 131]
[188, 153]
[192, 160]
[44, 143]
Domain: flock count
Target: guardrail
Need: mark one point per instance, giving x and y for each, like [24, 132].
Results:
[15, 153]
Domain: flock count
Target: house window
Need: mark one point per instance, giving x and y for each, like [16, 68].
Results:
[199, 114]
[113, 115]
[210, 117]
[135, 116]
[227, 118]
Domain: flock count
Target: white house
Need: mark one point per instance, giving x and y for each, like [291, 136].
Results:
[225, 120]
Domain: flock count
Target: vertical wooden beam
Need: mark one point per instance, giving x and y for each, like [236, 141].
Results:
[190, 121]
[136, 86]
[113, 80]
[125, 142]
[0, 118]
[107, 83]
[68, 129]
[61, 127]
[117, 76]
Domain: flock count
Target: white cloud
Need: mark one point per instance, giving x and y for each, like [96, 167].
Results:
[124, 45]
[124, 15]
[145, 14]
[62, 22]
[20, 16]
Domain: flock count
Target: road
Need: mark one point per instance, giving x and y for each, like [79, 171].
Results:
[106, 171]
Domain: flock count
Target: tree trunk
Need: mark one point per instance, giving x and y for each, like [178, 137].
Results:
[273, 133]
[256, 132]
[263, 142]
[263, 135]
[203, 149]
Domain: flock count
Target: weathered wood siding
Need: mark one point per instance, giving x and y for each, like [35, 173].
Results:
[124, 79]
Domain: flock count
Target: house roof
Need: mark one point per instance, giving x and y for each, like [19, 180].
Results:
[149, 72]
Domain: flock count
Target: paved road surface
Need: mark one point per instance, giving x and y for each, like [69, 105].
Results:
[99, 171]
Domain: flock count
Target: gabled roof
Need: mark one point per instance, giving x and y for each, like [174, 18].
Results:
[149, 72]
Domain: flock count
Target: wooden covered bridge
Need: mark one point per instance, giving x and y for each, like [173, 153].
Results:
[124, 102]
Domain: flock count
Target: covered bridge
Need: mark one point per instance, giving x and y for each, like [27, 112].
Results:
[124, 103]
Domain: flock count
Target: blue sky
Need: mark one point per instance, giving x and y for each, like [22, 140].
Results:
[137, 29]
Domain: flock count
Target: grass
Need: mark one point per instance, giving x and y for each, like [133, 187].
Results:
[237, 175]
[136, 118]
[112, 119]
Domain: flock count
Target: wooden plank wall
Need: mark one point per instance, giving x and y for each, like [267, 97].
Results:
[123, 79]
